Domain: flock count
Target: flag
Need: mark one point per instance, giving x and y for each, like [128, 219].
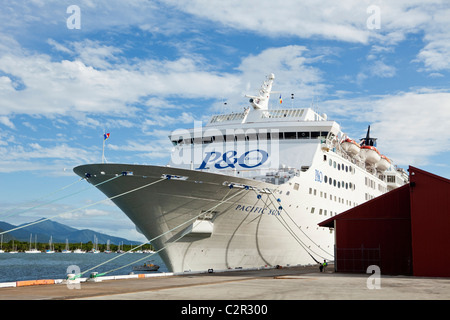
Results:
[281, 100]
[105, 136]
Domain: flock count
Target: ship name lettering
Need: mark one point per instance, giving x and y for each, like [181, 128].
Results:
[229, 159]
[258, 210]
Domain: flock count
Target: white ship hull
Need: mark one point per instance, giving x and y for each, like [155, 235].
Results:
[242, 232]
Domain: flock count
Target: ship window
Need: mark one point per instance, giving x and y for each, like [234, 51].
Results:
[391, 179]
[280, 135]
[290, 135]
[312, 209]
[303, 135]
[324, 133]
[315, 134]
[325, 179]
[339, 167]
[330, 162]
[296, 186]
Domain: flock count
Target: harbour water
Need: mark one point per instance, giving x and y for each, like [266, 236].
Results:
[26, 266]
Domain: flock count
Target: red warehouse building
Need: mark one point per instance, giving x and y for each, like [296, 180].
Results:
[405, 231]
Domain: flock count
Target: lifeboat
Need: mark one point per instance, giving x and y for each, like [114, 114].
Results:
[350, 146]
[370, 154]
[383, 164]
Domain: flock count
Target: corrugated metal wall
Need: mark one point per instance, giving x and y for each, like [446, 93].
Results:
[409, 229]
[430, 222]
[376, 233]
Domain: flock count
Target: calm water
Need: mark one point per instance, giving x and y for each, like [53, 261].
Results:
[26, 266]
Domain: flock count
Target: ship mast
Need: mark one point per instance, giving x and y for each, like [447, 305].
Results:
[262, 101]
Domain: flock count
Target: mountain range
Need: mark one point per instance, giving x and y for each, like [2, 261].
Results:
[59, 233]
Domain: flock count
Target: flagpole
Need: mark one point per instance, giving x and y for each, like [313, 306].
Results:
[103, 150]
[105, 137]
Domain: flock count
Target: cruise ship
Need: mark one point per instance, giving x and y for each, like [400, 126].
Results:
[248, 189]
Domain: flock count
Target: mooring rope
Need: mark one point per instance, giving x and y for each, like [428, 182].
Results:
[44, 197]
[153, 239]
[312, 241]
[86, 206]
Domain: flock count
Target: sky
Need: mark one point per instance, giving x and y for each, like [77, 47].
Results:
[138, 69]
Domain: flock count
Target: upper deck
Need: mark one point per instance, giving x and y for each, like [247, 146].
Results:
[264, 116]
[261, 125]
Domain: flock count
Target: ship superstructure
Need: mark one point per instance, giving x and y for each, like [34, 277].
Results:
[249, 188]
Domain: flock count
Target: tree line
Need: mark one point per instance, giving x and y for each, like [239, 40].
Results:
[58, 247]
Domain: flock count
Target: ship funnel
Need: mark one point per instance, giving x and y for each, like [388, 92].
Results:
[368, 141]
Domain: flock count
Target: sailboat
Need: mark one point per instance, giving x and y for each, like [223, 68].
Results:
[1, 245]
[34, 250]
[95, 247]
[79, 250]
[14, 249]
[51, 249]
[108, 250]
[66, 250]
[120, 249]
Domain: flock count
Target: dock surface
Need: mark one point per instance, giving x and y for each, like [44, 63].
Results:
[291, 283]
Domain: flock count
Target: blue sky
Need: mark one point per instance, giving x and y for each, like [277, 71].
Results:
[139, 69]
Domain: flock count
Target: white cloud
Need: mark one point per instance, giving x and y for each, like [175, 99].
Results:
[337, 20]
[343, 20]
[410, 126]
[35, 157]
[7, 122]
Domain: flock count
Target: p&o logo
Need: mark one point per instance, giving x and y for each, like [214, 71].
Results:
[229, 159]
